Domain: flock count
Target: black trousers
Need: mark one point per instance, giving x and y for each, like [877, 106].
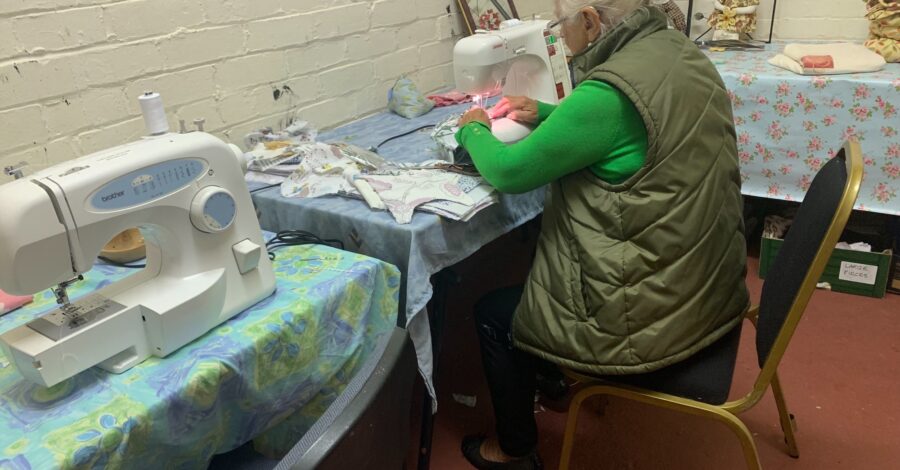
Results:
[511, 373]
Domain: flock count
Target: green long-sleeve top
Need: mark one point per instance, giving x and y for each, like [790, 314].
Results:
[596, 127]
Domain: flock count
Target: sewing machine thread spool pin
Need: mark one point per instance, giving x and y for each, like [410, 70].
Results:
[16, 171]
[199, 122]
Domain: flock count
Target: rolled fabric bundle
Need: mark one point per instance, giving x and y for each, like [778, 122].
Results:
[884, 28]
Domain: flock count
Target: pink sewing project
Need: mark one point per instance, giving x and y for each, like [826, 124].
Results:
[8, 302]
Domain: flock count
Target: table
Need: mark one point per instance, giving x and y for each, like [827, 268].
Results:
[274, 367]
[789, 125]
[420, 249]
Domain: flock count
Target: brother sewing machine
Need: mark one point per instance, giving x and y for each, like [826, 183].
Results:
[206, 258]
[524, 57]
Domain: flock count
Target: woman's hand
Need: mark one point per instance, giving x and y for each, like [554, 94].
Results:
[518, 108]
[477, 115]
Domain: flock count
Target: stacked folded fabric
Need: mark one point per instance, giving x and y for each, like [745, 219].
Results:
[828, 59]
[884, 28]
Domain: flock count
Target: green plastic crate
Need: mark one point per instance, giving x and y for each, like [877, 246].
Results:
[858, 265]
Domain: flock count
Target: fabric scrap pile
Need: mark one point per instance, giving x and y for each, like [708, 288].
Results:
[314, 169]
[884, 28]
[273, 155]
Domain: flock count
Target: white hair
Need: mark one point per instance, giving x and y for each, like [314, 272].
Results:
[612, 12]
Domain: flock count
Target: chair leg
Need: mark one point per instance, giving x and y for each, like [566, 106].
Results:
[748, 446]
[788, 425]
[751, 456]
[572, 424]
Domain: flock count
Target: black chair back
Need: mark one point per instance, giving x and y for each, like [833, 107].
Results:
[795, 257]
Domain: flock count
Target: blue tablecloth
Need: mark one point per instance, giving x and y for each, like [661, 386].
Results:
[789, 125]
[421, 248]
[272, 369]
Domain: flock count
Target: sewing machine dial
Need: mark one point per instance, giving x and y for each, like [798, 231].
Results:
[213, 209]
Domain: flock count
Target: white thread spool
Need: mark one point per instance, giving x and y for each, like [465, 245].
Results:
[154, 113]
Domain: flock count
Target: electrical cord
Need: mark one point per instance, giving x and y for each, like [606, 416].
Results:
[377, 147]
[121, 265]
[280, 240]
[298, 237]
[263, 188]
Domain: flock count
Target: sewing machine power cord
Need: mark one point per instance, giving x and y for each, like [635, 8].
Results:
[121, 265]
[377, 147]
[298, 237]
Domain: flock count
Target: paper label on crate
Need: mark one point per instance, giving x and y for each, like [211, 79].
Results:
[861, 273]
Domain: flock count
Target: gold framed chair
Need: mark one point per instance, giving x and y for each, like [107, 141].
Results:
[700, 384]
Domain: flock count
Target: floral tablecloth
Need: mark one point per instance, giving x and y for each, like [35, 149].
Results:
[268, 373]
[789, 125]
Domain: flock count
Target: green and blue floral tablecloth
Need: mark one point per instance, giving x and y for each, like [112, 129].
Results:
[789, 125]
[266, 374]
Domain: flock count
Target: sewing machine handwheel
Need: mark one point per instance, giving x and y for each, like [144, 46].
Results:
[213, 209]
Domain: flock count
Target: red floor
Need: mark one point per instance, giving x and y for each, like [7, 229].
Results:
[841, 379]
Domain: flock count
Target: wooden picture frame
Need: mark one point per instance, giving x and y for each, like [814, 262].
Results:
[486, 14]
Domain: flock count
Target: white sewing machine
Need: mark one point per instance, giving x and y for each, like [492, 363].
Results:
[523, 57]
[206, 258]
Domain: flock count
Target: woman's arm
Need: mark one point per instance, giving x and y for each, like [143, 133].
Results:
[586, 129]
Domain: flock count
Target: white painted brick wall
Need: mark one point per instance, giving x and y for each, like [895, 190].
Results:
[796, 19]
[71, 70]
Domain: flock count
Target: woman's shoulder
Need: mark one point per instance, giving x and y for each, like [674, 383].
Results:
[595, 92]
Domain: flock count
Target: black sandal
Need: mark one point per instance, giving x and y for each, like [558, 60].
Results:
[471, 449]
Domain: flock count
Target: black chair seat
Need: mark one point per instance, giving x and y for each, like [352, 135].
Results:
[705, 376]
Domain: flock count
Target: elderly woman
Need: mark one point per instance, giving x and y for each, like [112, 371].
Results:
[641, 259]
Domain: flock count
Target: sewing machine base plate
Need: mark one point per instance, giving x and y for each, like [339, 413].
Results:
[69, 319]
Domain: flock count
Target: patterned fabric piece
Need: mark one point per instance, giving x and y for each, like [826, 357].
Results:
[789, 125]
[322, 171]
[405, 191]
[887, 48]
[281, 361]
[673, 11]
[729, 20]
[884, 28]
[406, 100]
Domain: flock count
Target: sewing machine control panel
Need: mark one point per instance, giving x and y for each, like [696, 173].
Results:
[69, 318]
[148, 184]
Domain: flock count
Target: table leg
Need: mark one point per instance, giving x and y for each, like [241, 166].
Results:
[442, 282]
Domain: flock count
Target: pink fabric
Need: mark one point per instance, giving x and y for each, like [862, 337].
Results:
[817, 62]
[450, 98]
[8, 303]
[456, 97]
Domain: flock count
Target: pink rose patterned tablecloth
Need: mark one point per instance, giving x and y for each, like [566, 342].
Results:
[789, 125]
